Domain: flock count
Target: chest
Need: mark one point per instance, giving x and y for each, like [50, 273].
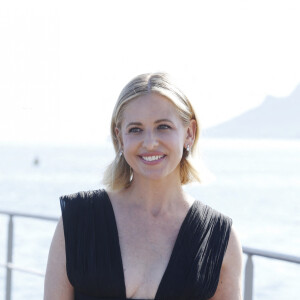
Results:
[146, 248]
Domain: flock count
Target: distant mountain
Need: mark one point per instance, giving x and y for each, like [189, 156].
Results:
[277, 118]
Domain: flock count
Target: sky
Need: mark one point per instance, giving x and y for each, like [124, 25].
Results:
[64, 63]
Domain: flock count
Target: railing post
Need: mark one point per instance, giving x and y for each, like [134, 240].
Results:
[9, 256]
[248, 285]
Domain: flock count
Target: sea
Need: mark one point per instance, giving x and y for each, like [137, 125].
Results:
[255, 182]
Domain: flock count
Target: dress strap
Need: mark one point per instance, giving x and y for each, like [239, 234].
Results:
[197, 259]
[92, 261]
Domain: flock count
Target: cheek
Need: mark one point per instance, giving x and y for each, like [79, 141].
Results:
[174, 138]
[174, 143]
[130, 141]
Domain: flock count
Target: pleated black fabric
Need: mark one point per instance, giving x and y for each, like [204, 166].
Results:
[93, 255]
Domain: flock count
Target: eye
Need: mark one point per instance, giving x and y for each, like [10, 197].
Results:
[135, 129]
[164, 126]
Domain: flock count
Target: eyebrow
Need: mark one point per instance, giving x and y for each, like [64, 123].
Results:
[133, 123]
[140, 124]
[163, 120]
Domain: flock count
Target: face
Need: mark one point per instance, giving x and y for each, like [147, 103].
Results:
[153, 136]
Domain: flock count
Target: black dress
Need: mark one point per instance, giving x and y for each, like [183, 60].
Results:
[93, 255]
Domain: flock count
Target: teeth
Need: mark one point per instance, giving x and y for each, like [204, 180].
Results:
[152, 158]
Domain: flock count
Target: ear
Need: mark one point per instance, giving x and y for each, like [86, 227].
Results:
[119, 137]
[191, 133]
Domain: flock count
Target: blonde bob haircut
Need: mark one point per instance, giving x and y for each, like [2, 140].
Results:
[119, 174]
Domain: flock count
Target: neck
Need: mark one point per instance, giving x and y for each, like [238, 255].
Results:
[158, 197]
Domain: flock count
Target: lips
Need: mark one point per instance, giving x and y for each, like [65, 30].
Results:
[152, 157]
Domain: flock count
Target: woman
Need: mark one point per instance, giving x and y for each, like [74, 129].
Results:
[144, 237]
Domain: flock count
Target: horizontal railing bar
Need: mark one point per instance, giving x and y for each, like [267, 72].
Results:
[22, 269]
[273, 255]
[24, 215]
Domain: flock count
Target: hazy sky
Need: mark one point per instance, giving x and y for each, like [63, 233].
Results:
[63, 63]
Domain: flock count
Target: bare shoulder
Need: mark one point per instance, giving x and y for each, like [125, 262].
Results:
[229, 286]
[57, 285]
[233, 253]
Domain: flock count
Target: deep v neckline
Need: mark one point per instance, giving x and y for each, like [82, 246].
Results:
[175, 246]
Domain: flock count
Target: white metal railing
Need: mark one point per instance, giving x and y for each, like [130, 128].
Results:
[250, 252]
[9, 254]
[248, 284]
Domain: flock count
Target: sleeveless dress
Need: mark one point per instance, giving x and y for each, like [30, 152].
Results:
[93, 256]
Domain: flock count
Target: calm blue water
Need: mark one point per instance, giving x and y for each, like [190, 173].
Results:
[256, 183]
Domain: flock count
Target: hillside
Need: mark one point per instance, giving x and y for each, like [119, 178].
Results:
[276, 118]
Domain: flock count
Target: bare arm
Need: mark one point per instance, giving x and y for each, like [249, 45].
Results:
[57, 285]
[229, 287]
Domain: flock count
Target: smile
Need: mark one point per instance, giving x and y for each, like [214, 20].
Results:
[152, 158]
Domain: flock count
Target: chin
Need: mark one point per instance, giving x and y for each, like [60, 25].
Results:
[155, 176]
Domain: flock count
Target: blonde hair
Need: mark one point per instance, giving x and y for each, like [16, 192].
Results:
[118, 174]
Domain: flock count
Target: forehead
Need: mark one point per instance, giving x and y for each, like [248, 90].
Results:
[153, 106]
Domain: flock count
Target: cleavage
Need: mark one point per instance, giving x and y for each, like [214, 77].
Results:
[145, 250]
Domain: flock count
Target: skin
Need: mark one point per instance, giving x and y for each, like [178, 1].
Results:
[57, 285]
[156, 205]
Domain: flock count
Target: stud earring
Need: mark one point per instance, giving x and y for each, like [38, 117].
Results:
[120, 153]
[188, 148]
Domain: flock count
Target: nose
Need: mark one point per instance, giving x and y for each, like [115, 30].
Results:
[150, 140]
